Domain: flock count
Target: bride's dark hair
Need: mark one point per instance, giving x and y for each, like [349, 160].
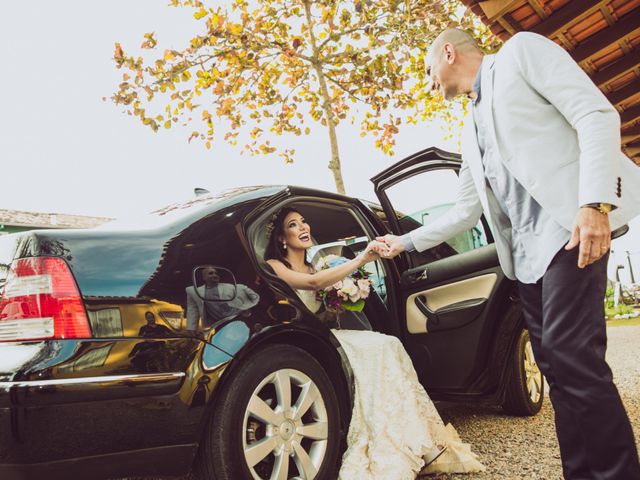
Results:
[275, 229]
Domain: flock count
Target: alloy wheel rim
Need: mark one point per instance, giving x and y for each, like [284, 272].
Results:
[280, 436]
[533, 375]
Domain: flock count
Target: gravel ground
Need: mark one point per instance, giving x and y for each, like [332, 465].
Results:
[526, 448]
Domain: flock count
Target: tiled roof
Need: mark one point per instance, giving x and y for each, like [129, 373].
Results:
[17, 218]
[603, 36]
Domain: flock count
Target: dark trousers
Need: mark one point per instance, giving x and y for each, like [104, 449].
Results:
[564, 313]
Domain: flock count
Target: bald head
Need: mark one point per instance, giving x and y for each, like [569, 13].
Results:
[461, 41]
[452, 63]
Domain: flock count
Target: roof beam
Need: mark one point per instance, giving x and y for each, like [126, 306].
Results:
[565, 16]
[622, 66]
[496, 8]
[604, 38]
[624, 93]
[538, 7]
[630, 135]
[632, 152]
[509, 24]
[630, 115]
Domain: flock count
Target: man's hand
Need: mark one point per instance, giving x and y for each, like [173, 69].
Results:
[394, 246]
[593, 233]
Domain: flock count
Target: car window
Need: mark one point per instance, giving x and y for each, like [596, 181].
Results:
[425, 197]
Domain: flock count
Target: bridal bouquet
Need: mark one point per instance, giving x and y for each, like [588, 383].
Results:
[347, 294]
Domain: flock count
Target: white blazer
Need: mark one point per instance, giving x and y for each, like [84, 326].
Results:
[556, 133]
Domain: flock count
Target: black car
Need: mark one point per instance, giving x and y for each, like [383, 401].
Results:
[113, 364]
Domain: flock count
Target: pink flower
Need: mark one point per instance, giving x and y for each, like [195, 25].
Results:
[364, 286]
[349, 287]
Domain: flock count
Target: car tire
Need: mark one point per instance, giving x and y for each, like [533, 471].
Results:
[254, 431]
[525, 387]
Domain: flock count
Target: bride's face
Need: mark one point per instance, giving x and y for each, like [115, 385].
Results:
[296, 231]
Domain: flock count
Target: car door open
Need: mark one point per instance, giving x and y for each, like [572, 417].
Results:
[450, 294]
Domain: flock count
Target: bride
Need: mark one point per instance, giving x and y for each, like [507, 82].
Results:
[395, 431]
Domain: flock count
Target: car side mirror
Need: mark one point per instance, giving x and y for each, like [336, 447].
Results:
[220, 281]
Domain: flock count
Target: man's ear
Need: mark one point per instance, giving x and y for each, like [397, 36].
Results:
[449, 53]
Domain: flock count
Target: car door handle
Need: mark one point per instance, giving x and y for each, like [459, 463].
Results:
[414, 276]
[421, 303]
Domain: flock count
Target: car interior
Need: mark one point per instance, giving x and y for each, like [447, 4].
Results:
[334, 231]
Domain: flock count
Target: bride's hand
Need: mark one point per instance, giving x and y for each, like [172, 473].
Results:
[373, 251]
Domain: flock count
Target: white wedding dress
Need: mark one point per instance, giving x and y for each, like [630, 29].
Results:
[394, 423]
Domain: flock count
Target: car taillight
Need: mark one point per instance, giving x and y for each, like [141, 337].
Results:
[41, 300]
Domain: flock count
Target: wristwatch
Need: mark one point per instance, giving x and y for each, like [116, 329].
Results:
[603, 208]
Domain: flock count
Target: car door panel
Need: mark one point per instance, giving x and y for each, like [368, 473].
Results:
[449, 306]
[452, 355]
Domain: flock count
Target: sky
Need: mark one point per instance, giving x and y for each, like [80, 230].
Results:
[68, 151]
[65, 150]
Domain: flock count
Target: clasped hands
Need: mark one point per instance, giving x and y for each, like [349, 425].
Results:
[591, 232]
[386, 247]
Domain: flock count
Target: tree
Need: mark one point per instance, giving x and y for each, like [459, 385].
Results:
[257, 65]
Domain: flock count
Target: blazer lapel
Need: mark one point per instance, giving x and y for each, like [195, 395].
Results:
[471, 150]
[486, 102]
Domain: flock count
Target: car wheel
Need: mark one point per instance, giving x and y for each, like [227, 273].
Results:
[525, 388]
[277, 418]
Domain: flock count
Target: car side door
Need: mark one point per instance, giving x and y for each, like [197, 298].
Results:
[452, 297]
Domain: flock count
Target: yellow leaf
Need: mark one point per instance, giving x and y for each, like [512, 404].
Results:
[168, 55]
[200, 14]
[167, 124]
[208, 145]
[235, 29]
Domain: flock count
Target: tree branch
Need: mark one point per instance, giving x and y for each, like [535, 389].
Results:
[344, 89]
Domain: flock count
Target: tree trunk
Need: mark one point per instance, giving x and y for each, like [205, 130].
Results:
[334, 163]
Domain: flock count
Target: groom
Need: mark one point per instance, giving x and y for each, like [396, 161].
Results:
[541, 157]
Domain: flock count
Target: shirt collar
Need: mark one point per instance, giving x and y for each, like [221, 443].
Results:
[477, 85]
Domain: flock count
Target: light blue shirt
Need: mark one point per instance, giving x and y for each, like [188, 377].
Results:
[535, 236]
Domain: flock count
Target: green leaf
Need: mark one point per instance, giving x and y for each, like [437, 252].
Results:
[354, 307]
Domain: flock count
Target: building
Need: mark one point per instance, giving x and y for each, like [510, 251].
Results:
[603, 36]
[12, 221]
